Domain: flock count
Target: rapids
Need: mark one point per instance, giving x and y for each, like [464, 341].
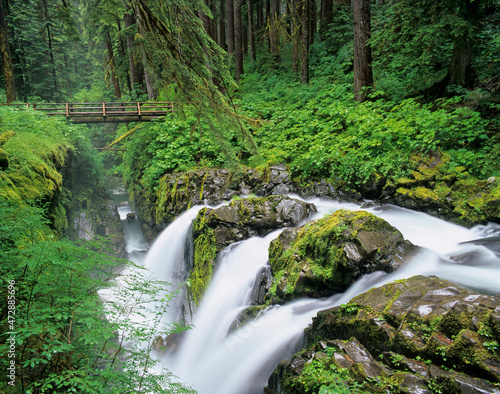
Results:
[216, 358]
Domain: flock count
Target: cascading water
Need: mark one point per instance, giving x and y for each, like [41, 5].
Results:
[216, 358]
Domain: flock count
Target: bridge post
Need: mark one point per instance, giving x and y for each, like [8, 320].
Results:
[104, 109]
[138, 108]
[67, 109]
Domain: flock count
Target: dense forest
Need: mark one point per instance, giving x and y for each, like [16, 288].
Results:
[390, 100]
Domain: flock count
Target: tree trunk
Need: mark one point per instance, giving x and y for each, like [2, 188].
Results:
[460, 71]
[8, 73]
[128, 19]
[123, 55]
[251, 31]
[112, 68]
[312, 21]
[304, 48]
[273, 28]
[230, 27]
[51, 50]
[207, 22]
[363, 77]
[222, 26]
[296, 35]
[260, 14]
[238, 43]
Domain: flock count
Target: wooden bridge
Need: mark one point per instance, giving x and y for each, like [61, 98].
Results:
[113, 112]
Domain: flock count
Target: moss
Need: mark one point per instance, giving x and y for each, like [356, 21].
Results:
[205, 253]
[5, 136]
[419, 193]
[316, 258]
[59, 219]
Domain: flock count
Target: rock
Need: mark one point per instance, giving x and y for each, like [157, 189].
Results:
[180, 191]
[327, 256]
[4, 160]
[214, 229]
[130, 216]
[432, 336]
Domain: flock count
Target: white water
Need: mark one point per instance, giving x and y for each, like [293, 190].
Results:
[213, 358]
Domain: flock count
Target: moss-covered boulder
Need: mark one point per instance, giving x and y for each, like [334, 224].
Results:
[442, 189]
[326, 256]
[421, 334]
[214, 229]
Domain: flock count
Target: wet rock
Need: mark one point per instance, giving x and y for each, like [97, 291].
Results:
[215, 229]
[178, 192]
[431, 335]
[130, 216]
[327, 256]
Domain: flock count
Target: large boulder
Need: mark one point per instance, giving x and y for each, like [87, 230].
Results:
[216, 228]
[326, 256]
[418, 335]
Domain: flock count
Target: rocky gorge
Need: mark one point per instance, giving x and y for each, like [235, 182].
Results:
[416, 335]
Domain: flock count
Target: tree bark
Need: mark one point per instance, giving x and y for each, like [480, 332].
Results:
[8, 72]
[238, 42]
[251, 31]
[222, 26]
[273, 28]
[460, 70]
[111, 67]
[296, 35]
[312, 21]
[51, 49]
[128, 19]
[363, 76]
[304, 48]
[260, 14]
[230, 27]
[123, 54]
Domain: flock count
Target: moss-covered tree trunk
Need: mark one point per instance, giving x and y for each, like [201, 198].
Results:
[8, 72]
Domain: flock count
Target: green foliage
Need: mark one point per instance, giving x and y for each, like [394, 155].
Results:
[323, 133]
[181, 142]
[36, 147]
[321, 375]
[49, 61]
[67, 338]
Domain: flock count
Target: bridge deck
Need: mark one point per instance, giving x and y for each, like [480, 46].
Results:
[104, 112]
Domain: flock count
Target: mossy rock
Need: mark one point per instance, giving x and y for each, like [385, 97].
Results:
[216, 228]
[328, 255]
[422, 334]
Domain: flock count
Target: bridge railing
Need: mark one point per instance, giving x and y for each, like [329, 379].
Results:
[104, 109]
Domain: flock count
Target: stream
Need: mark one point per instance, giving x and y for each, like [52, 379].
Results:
[215, 358]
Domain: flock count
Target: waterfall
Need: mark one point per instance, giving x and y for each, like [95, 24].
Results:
[214, 357]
